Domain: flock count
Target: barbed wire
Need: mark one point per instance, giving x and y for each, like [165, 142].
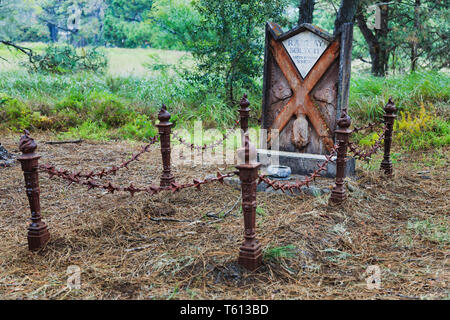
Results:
[283, 186]
[366, 154]
[150, 189]
[213, 145]
[105, 172]
[370, 125]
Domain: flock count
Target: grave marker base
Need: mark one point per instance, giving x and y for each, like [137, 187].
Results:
[304, 163]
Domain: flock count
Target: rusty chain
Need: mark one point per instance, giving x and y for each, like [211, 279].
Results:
[213, 145]
[283, 186]
[370, 125]
[105, 172]
[151, 189]
[366, 154]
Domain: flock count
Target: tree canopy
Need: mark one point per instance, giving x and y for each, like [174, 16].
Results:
[407, 35]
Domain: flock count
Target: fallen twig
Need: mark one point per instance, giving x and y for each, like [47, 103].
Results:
[218, 216]
[138, 248]
[169, 219]
[63, 142]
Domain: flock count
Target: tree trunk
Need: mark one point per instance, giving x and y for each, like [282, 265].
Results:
[347, 11]
[415, 40]
[305, 11]
[381, 35]
[53, 29]
[376, 42]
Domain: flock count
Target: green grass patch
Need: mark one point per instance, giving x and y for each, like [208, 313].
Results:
[278, 253]
[432, 229]
[368, 94]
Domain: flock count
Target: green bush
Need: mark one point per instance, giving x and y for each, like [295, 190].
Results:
[421, 131]
[109, 109]
[18, 116]
[139, 128]
[89, 130]
[73, 102]
[14, 113]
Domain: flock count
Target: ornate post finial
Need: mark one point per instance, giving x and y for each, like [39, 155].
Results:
[390, 108]
[27, 145]
[244, 112]
[244, 102]
[344, 121]
[163, 115]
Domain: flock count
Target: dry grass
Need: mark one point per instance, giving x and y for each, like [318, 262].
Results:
[125, 255]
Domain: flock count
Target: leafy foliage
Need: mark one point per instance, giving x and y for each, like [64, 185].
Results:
[421, 131]
[228, 42]
[65, 59]
[124, 23]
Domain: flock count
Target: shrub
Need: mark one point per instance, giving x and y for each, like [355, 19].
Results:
[16, 114]
[109, 109]
[422, 131]
[139, 128]
[74, 102]
[89, 130]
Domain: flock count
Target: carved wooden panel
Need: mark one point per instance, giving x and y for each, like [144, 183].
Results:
[301, 75]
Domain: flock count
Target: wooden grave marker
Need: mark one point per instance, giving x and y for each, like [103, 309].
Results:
[306, 82]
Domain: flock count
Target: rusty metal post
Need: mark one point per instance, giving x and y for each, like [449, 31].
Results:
[389, 118]
[38, 233]
[244, 113]
[250, 254]
[164, 128]
[338, 194]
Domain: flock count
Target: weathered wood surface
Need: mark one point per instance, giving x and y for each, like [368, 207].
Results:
[304, 110]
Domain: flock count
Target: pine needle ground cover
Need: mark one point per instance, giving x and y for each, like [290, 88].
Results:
[311, 250]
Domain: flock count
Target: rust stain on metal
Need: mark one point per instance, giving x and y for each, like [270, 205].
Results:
[338, 194]
[389, 118]
[250, 254]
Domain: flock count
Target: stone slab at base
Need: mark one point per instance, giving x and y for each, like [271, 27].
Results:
[302, 163]
[318, 188]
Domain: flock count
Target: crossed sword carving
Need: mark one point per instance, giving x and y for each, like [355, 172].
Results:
[300, 102]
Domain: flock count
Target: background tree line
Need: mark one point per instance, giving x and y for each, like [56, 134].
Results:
[226, 37]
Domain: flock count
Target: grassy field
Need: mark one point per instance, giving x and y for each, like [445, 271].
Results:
[121, 61]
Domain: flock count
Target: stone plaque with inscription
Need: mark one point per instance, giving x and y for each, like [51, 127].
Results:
[306, 74]
[305, 49]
